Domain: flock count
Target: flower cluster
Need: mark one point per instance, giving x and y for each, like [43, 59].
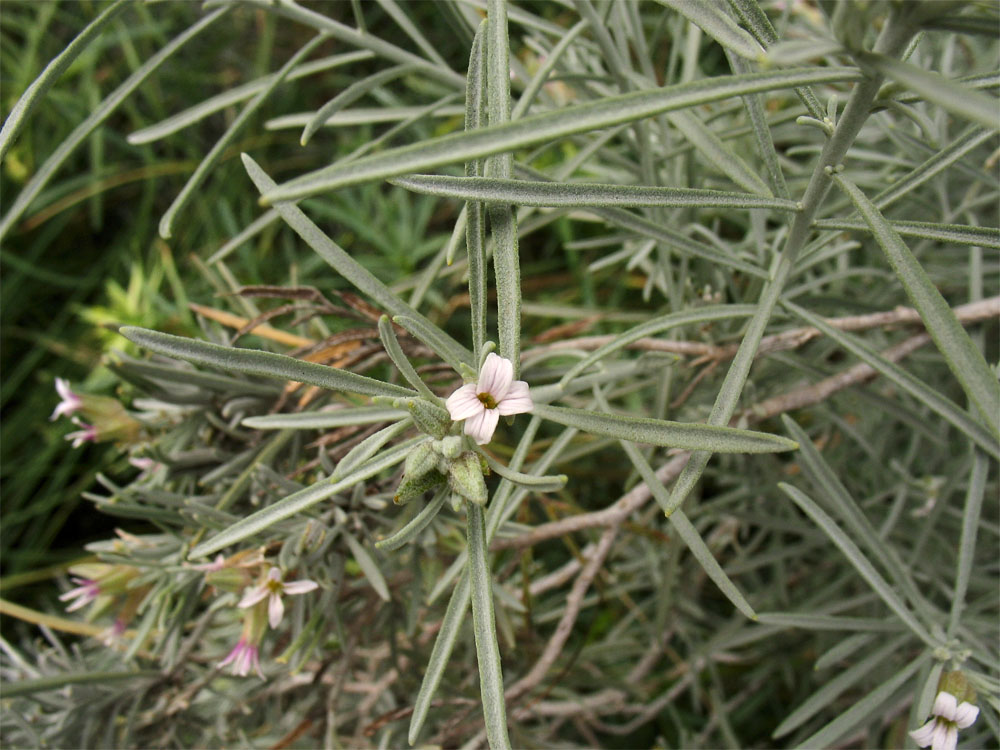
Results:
[107, 419]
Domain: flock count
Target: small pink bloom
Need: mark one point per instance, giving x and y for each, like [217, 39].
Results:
[273, 588]
[496, 394]
[82, 595]
[244, 657]
[948, 716]
[212, 567]
[70, 403]
[87, 435]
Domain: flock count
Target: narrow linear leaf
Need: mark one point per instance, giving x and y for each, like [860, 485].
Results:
[484, 627]
[967, 543]
[254, 228]
[918, 389]
[530, 481]
[235, 95]
[580, 194]
[300, 501]
[34, 94]
[350, 95]
[714, 22]
[59, 681]
[325, 420]
[664, 433]
[368, 567]
[858, 560]
[415, 525]
[215, 154]
[718, 153]
[963, 358]
[45, 172]
[365, 116]
[656, 326]
[955, 234]
[264, 364]
[683, 244]
[934, 87]
[936, 164]
[852, 717]
[546, 127]
[687, 532]
[368, 448]
[828, 622]
[398, 357]
[444, 644]
[475, 212]
[442, 344]
[827, 694]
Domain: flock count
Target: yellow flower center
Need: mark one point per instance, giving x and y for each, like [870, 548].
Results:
[487, 400]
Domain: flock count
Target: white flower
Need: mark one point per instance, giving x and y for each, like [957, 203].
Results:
[70, 403]
[274, 588]
[481, 404]
[948, 716]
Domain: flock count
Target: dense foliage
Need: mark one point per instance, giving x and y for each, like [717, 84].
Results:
[607, 374]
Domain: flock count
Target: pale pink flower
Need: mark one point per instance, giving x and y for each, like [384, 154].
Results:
[948, 716]
[482, 404]
[70, 403]
[87, 590]
[274, 588]
[244, 657]
[87, 435]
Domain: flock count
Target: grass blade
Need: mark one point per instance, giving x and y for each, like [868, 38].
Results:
[36, 91]
[215, 154]
[110, 103]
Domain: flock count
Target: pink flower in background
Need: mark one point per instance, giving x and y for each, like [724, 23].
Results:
[87, 435]
[70, 403]
[482, 404]
[244, 657]
[273, 588]
[86, 591]
[948, 716]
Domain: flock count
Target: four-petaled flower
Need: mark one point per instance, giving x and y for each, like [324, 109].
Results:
[481, 404]
[70, 403]
[244, 657]
[274, 588]
[948, 716]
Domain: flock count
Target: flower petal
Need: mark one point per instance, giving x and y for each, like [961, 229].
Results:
[966, 714]
[300, 587]
[517, 401]
[496, 376]
[463, 403]
[925, 735]
[945, 706]
[254, 595]
[275, 610]
[482, 426]
[947, 739]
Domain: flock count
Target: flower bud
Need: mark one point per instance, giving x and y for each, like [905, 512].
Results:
[430, 419]
[420, 460]
[465, 477]
[410, 488]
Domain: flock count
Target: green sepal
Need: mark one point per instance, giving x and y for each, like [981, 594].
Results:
[417, 486]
